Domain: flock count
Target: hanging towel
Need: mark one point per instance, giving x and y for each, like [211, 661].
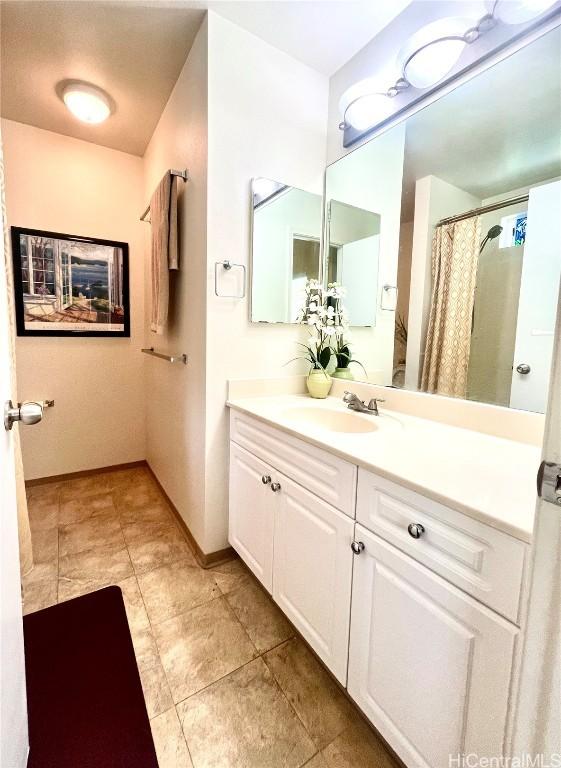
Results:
[163, 220]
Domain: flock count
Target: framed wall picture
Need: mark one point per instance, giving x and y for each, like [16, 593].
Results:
[67, 285]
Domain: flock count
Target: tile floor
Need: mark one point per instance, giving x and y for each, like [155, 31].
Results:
[226, 681]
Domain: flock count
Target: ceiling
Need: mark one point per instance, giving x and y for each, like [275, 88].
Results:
[135, 52]
[498, 132]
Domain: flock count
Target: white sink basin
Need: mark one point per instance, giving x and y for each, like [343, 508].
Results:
[331, 420]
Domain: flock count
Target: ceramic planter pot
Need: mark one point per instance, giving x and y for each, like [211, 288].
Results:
[319, 384]
[343, 373]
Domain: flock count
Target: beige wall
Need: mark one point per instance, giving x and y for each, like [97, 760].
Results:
[267, 117]
[175, 394]
[66, 185]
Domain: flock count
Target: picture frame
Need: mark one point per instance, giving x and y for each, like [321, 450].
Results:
[70, 285]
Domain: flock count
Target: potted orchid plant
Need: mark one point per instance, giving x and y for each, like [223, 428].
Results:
[341, 334]
[317, 351]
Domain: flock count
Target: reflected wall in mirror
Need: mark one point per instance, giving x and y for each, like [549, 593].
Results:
[468, 191]
[286, 235]
[353, 246]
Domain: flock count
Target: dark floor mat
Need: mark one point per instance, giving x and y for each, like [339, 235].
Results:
[85, 701]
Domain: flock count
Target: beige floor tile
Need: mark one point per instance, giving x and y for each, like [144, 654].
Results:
[101, 531]
[157, 693]
[167, 546]
[43, 491]
[80, 509]
[45, 555]
[321, 706]
[141, 494]
[263, 621]
[135, 476]
[176, 588]
[358, 745]
[134, 606]
[90, 485]
[244, 721]
[156, 512]
[169, 741]
[38, 595]
[43, 513]
[317, 761]
[201, 646]
[231, 575]
[93, 569]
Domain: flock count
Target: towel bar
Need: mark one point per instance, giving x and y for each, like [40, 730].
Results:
[182, 175]
[163, 356]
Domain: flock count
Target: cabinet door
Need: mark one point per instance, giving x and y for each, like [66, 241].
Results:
[251, 521]
[428, 665]
[313, 571]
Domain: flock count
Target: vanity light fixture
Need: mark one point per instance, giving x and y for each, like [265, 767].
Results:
[86, 102]
[429, 56]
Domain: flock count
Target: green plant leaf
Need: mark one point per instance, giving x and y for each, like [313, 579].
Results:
[325, 357]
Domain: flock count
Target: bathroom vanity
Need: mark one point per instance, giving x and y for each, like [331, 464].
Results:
[398, 548]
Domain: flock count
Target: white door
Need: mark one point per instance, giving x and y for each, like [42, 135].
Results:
[358, 270]
[428, 665]
[252, 515]
[539, 289]
[13, 705]
[536, 730]
[313, 571]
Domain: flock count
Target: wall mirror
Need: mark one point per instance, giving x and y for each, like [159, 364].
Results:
[286, 237]
[465, 200]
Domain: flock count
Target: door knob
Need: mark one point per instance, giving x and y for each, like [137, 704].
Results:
[266, 479]
[275, 487]
[27, 413]
[416, 530]
[523, 368]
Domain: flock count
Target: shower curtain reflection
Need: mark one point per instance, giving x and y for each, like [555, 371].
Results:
[455, 249]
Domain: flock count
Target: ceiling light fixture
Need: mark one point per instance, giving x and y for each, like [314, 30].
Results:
[432, 51]
[86, 102]
[429, 56]
[520, 11]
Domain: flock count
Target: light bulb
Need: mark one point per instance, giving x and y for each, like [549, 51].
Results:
[368, 110]
[87, 103]
[521, 11]
[430, 54]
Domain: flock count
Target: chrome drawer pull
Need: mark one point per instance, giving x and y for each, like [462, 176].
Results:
[275, 487]
[266, 479]
[416, 530]
[357, 547]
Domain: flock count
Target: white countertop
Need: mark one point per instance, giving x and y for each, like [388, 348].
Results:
[488, 478]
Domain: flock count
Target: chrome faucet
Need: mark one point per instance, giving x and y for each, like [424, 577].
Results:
[356, 404]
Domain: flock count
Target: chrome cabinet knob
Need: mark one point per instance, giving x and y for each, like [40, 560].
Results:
[523, 368]
[266, 479]
[27, 413]
[416, 530]
[275, 487]
[357, 547]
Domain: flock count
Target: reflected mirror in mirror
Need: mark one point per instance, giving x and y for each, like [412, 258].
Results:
[286, 235]
[468, 191]
[353, 243]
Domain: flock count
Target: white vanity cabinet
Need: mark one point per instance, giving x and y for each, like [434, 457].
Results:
[252, 519]
[420, 624]
[285, 526]
[428, 665]
[312, 571]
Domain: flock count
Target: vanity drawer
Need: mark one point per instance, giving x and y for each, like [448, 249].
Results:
[479, 559]
[327, 476]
